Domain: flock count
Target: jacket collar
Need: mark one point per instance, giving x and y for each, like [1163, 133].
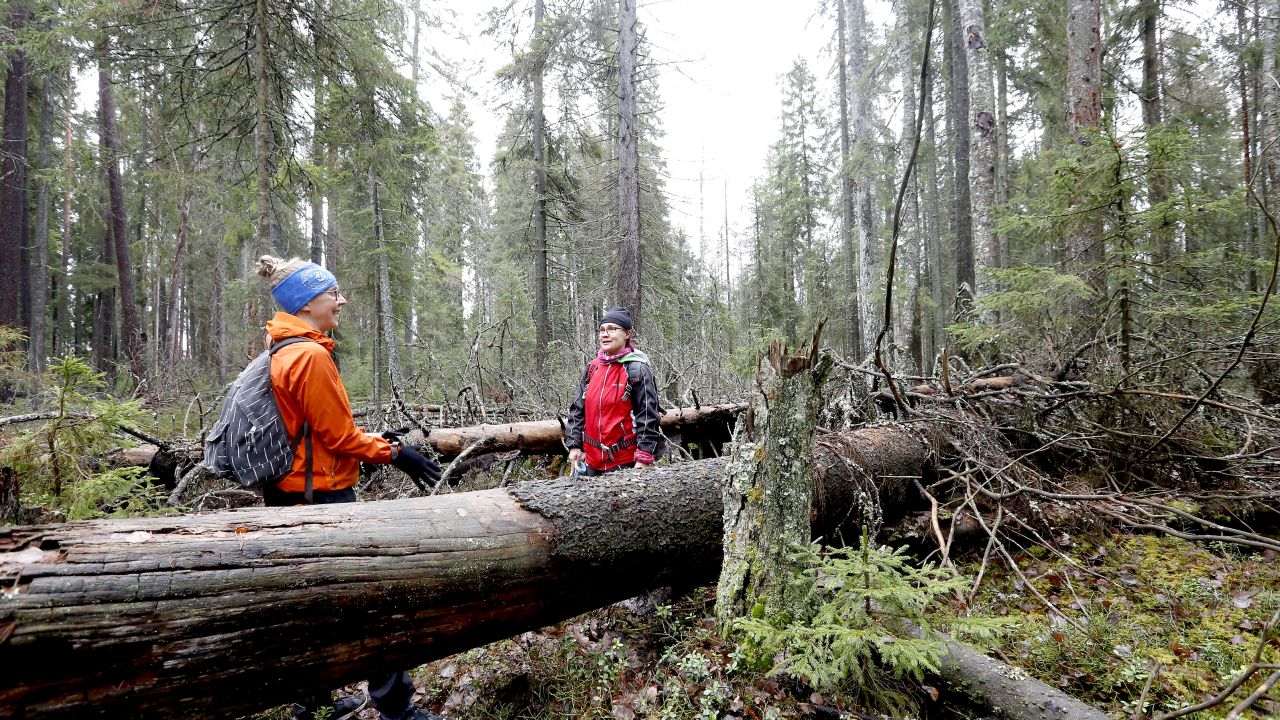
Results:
[284, 326]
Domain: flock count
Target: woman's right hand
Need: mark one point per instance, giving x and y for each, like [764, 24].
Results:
[575, 455]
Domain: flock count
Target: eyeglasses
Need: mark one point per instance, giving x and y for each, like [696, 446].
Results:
[334, 293]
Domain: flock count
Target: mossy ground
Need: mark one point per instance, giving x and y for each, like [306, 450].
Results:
[1192, 612]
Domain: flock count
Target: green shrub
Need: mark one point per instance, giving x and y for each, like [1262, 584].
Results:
[862, 605]
[60, 463]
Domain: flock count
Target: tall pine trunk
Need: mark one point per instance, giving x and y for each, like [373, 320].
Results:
[385, 319]
[1152, 118]
[906, 315]
[63, 292]
[13, 176]
[1246, 121]
[966, 279]
[317, 149]
[541, 311]
[1269, 32]
[935, 338]
[629, 268]
[1084, 116]
[40, 259]
[129, 329]
[174, 339]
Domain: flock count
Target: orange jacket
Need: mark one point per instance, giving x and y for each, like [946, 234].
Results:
[307, 385]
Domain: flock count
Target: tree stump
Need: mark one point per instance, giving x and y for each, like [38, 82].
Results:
[768, 487]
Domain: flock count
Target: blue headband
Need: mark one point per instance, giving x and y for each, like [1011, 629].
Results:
[306, 282]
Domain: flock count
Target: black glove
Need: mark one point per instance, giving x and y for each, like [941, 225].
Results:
[421, 469]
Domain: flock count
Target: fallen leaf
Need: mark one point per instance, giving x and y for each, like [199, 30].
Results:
[1244, 599]
[622, 712]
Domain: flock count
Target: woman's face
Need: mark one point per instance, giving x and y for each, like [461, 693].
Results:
[323, 310]
[612, 338]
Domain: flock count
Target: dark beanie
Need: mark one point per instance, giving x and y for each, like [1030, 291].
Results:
[619, 316]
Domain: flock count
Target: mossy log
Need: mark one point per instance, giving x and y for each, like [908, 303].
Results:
[227, 613]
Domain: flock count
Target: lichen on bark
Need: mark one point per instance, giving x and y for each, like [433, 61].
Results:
[769, 483]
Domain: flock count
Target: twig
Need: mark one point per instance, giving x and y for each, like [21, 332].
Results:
[1146, 688]
[483, 441]
[1257, 694]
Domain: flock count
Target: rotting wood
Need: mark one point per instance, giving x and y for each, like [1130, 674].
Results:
[234, 611]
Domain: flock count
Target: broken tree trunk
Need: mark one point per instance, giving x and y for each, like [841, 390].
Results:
[767, 492]
[235, 611]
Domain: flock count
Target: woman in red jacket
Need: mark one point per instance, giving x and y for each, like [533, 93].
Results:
[613, 422]
[308, 389]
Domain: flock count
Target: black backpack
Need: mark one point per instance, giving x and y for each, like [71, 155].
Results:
[249, 441]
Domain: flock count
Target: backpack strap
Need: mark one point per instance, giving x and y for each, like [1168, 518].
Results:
[304, 432]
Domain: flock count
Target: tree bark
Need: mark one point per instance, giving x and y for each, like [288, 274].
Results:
[863, 150]
[541, 311]
[174, 339]
[1269, 35]
[1084, 116]
[387, 324]
[982, 146]
[62, 308]
[768, 487]
[262, 129]
[966, 280]
[629, 258]
[40, 258]
[181, 616]
[13, 176]
[110, 140]
[853, 317]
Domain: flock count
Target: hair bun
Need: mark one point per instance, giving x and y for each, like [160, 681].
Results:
[268, 264]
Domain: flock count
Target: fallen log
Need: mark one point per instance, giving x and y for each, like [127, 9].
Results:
[234, 611]
[542, 436]
[709, 424]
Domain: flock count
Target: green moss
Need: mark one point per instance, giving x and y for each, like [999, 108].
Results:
[1141, 601]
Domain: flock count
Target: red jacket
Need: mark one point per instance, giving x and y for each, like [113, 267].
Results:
[307, 385]
[616, 412]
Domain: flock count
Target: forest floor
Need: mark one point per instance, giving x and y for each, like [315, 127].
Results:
[1135, 604]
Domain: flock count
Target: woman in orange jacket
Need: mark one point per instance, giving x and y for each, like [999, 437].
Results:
[308, 389]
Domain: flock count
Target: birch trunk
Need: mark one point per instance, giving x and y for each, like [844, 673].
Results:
[853, 317]
[982, 142]
[863, 151]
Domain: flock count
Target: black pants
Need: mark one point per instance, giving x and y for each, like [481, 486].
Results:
[391, 695]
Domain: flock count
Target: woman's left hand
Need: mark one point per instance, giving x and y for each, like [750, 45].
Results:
[640, 465]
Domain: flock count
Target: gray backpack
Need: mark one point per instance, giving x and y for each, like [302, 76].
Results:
[249, 441]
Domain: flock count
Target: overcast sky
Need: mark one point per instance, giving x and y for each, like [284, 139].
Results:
[719, 63]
